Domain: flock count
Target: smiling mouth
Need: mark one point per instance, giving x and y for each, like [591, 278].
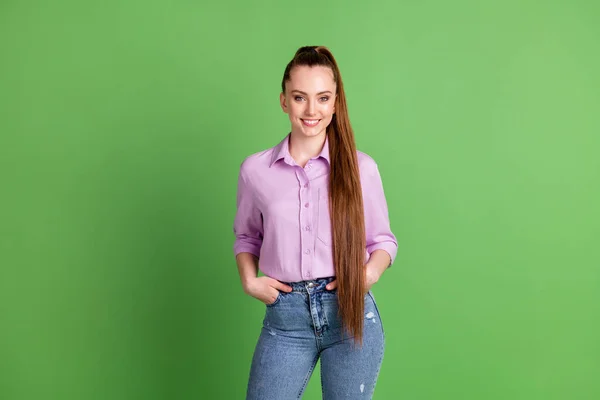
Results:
[310, 122]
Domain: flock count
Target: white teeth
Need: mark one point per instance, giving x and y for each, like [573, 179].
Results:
[311, 121]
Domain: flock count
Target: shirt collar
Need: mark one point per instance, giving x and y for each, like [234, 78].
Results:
[282, 150]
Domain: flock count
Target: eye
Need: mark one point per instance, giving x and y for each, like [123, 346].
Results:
[297, 97]
[325, 97]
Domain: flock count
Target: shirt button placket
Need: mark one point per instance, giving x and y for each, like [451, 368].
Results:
[305, 221]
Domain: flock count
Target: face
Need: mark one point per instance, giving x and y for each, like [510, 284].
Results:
[309, 100]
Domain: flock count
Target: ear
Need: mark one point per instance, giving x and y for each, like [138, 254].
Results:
[283, 103]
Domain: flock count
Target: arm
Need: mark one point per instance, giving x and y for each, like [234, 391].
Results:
[247, 264]
[381, 242]
[248, 229]
[380, 261]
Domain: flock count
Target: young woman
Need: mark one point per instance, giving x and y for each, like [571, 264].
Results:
[312, 216]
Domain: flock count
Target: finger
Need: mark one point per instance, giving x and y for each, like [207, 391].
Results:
[332, 285]
[272, 297]
[281, 286]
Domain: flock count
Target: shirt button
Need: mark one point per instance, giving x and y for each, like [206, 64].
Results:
[307, 228]
[306, 205]
[307, 251]
[306, 185]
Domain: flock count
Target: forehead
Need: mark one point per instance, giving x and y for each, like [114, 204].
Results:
[311, 79]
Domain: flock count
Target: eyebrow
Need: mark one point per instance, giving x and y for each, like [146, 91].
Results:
[306, 94]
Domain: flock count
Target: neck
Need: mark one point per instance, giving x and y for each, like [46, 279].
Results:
[304, 148]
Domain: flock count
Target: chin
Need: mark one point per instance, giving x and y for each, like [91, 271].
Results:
[313, 133]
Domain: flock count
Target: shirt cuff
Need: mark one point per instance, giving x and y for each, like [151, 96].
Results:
[390, 247]
[246, 248]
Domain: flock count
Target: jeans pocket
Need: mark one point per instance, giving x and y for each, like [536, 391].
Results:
[276, 300]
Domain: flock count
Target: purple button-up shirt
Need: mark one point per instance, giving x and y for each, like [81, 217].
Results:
[283, 213]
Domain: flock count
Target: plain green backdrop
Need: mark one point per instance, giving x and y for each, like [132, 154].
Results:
[123, 125]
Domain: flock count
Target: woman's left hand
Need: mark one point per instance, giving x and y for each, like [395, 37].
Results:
[372, 276]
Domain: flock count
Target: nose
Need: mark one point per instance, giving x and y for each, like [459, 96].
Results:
[310, 108]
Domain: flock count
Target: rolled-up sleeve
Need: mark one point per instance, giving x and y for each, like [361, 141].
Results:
[377, 223]
[248, 226]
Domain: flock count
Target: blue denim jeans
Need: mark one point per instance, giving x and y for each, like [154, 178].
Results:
[302, 326]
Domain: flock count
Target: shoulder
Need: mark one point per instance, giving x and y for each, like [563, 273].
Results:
[366, 164]
[255, 163]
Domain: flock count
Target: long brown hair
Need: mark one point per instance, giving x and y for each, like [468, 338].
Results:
[345, 197]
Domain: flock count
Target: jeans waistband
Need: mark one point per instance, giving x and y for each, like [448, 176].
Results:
[315, 284]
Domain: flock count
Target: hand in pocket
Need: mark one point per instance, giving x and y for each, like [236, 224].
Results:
[265, 289]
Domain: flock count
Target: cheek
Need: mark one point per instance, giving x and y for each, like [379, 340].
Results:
[329, 111]
[295, 110]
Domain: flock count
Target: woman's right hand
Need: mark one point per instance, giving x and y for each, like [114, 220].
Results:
[265, 289]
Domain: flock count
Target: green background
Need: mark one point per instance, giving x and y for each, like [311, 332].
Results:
[123, 126]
